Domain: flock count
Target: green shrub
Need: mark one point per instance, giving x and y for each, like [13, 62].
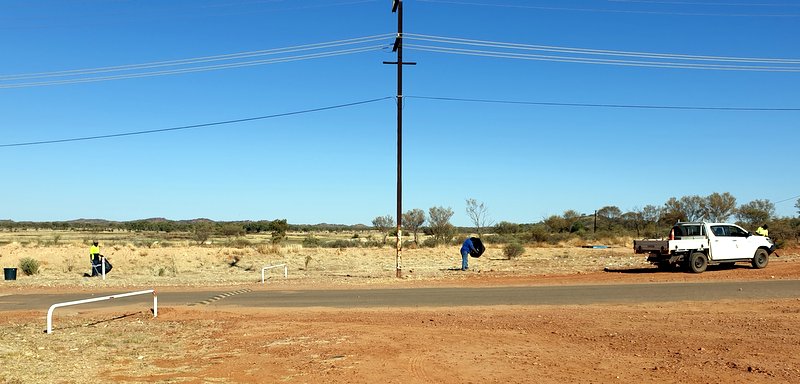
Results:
[513, 250]
[239, 242]
[502, 238]
[430, 242]
[340, 243]
[29, 266]
[539, 233]
[311, 242]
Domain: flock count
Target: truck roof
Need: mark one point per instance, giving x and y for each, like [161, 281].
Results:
[699, 223]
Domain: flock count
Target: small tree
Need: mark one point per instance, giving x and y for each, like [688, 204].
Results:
[201, 232]
[756, 212]
[635, 219]
[439, 220]
[478, 213]
[797, 205]
[692, 207]
[719, 207]
[278, 228]
[610, 215]
[506, 228]
[557, 223]
[383, 224]
[413, 220]
[513, 250]
[672, 212]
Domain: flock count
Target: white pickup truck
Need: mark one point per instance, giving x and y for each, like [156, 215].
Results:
[698, 245]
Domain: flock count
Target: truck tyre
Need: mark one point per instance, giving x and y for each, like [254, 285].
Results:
[698, 262]
[760, 259]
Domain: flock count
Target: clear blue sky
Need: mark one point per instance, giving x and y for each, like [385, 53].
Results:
[524, 160]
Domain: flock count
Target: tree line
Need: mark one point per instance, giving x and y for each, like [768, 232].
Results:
[435, 225]
[607, 221]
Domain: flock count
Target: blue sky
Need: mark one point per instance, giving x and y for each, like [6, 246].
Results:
[524, 160]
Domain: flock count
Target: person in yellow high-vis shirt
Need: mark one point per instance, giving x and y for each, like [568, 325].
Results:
[763, 230]
[94, 257]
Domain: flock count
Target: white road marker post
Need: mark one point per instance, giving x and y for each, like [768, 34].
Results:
[95, 299]
[285, 271]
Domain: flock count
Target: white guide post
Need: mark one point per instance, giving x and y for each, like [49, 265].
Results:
[92, 300]
[285, 270]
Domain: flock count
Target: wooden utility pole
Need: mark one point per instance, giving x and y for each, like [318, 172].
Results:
[397, 7]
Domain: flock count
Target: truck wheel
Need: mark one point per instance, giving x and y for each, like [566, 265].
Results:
[760, 259]
[698, 262]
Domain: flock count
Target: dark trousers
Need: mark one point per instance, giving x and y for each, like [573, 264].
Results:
[96, 266]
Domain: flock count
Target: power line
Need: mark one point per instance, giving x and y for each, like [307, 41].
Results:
[195, 69]
[601, 10]
[195, 60]
[785, 200]
[194, 126]
[69, 76]
[707, 4]
[634, 106]
[591, 51]
[584, 60]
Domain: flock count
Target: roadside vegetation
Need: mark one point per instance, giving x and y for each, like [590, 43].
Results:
[607, 225]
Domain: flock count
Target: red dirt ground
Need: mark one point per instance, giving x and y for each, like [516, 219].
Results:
[688, 342]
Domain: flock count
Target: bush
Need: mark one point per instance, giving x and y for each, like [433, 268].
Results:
[311, 242]
[539, 233]
[513, 250]
[29, 266]
[340, 243]
[239, 242]
[430, 242]
[502, 238]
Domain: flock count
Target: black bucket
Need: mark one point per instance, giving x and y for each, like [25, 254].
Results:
[10, 273]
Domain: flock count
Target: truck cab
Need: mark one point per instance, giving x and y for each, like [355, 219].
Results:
[728, 241]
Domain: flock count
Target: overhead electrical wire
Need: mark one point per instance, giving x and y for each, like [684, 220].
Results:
[565, 59]
[610, 10]
[591, 51]
[700, 3]
[507, 50]
[195, 69]
[193, 126]
[595, 105]
[540, 103]
[190, 65]
[203, 59]
[607, 57]
[785, 200]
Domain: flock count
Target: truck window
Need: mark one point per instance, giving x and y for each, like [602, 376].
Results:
[736, 231]
[719, 230]
[688, 230]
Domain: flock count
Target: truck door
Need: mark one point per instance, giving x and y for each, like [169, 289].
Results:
[727, 243]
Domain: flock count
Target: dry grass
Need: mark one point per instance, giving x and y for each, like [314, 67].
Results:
[183, 263]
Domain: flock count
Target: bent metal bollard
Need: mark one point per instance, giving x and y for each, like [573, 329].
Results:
[92, 300]
[285, 270]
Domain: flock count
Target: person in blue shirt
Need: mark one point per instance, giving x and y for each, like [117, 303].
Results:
[466, 248]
